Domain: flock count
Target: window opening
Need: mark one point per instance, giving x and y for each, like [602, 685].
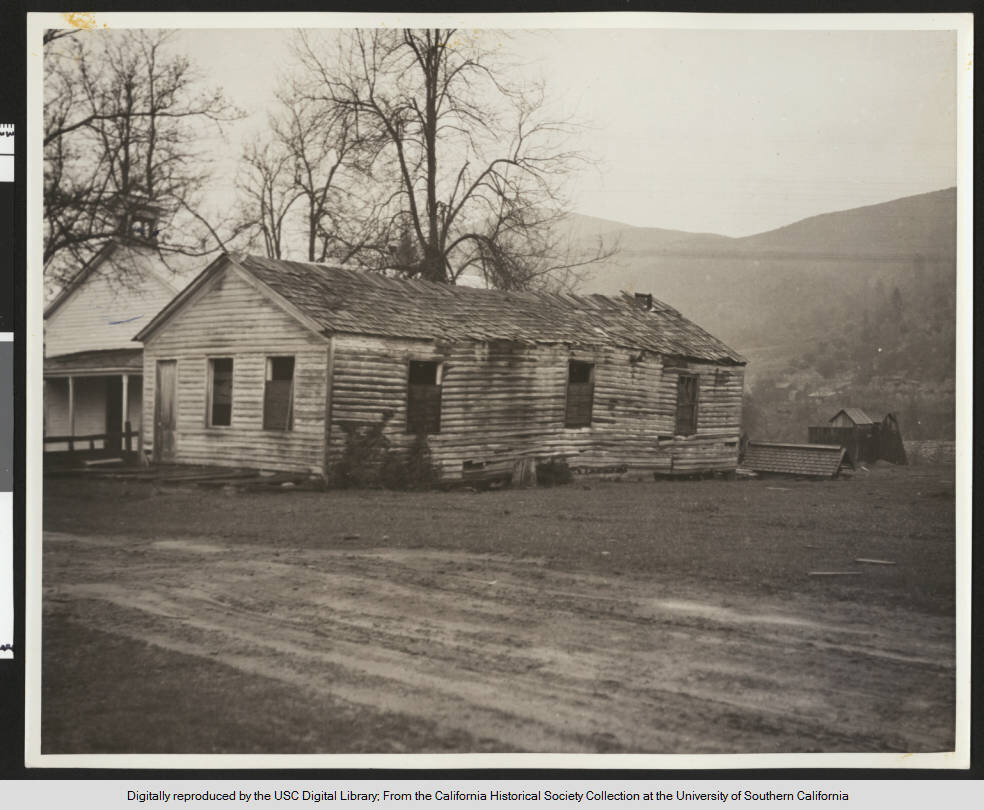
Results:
[424, 397]
[580, 394]
[220, 392]
[686, 405]
[278, 394]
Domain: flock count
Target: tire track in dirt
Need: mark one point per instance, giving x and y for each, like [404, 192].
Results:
[509, 649]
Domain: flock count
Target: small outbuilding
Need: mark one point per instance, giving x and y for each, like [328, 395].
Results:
[852, 429]
[276, 364]
[852, 418]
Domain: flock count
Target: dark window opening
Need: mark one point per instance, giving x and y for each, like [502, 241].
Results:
[220, 392]
[278, 394]
[424, 397]
[686, 404]
[580, 394]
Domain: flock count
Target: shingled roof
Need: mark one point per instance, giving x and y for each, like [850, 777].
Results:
[346, 300]
[810, 460]
[856, 415]
[96, 360]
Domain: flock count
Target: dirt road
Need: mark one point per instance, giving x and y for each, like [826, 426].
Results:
[520, 656]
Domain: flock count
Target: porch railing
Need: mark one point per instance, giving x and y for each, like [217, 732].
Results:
[79, 441]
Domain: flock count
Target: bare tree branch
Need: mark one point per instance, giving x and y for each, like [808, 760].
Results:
[124, 117]
[477, 165]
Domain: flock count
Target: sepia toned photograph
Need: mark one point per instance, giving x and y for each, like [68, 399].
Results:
[499, 389]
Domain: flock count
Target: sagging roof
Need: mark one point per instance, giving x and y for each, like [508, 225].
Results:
[812, 460]
[856, 415]
[347, 300]
[91, 362]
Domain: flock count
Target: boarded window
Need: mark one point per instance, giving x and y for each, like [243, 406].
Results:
[686, 407]
[278, 394]
[580, 394]
[424, 397]
[220, 392]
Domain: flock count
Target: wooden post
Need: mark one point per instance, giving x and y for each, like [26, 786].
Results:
[326, 463]
[128, 442]
[125, 410]
[71, 412]
[144, 461]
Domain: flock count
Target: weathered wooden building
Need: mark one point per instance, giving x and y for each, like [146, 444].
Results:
[272, 364]
[853, 430]
[864, 439]
[92, 368]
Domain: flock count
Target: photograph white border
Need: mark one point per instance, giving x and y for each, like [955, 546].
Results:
[962, 24]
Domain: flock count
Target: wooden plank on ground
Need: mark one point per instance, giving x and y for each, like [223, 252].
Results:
[834, 573]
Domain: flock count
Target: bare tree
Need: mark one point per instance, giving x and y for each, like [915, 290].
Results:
[308, 182]
[124, 120]
[477, 166]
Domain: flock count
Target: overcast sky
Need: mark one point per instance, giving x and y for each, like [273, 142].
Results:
[732, 132]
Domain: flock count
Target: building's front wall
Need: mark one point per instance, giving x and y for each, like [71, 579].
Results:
[502, 401]
[89, 409]
[842, 420]
[230, 318]
[110, 306]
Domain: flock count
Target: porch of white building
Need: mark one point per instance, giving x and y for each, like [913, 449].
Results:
[93, 402]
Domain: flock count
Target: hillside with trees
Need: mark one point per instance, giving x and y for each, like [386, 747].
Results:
[852, 308]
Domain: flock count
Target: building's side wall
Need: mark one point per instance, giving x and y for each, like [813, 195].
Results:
[105, 312]
[719, 403]
[502, 401]
[230, 318]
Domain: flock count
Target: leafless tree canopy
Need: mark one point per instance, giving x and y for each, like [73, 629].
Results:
[308, 184]
[122, 120]
[427, 161]
[415, 152]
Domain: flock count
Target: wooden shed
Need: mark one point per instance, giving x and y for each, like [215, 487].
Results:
[852, 429]
[272, 364]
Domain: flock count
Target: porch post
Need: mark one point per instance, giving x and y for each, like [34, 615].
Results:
[124, 410]
[71, 406]
[71, 410]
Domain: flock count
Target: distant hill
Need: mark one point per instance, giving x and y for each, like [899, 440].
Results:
[925, 224]
[828, 306]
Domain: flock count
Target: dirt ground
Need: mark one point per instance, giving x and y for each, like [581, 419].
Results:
[664, 617]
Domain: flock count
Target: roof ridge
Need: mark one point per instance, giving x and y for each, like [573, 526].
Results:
[357, 300]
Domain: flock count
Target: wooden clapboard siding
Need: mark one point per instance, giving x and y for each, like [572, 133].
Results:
[230, 318]
[56, 407]
[90, 405]
[503, 401]
[110, 305]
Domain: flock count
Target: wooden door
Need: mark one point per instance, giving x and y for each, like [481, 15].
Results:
[165, 412]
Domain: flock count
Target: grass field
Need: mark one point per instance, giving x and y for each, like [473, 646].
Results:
[668, 617]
